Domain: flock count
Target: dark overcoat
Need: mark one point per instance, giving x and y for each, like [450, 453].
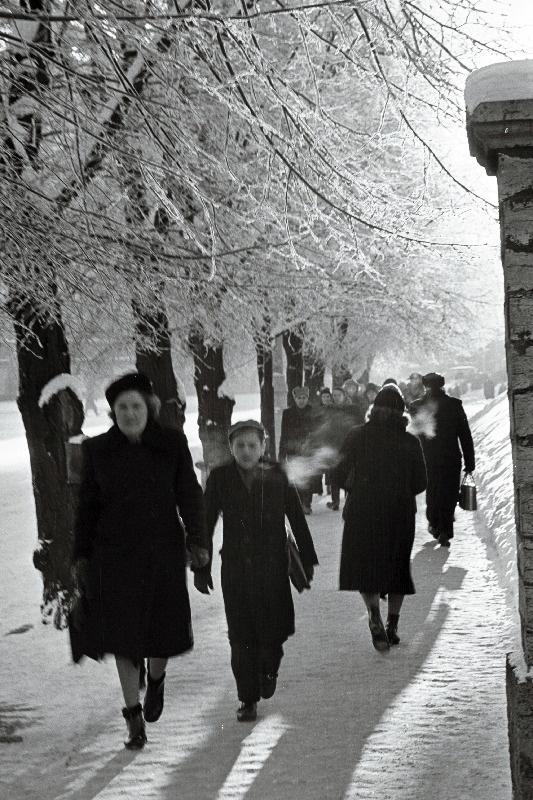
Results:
[129, 528]
[254, 570]
[297, 425]
[379, 528]
[442, 425]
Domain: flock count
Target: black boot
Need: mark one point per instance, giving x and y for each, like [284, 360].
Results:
[154, 698]
[377, 630]
[247, 712]
[392, 628]
[136, 732]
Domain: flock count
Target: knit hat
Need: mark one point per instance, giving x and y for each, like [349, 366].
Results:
[137, 381]
[390, 397]
[433, 380]
[246, 425]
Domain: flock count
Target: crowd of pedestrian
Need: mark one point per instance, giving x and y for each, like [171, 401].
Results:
[142, 517]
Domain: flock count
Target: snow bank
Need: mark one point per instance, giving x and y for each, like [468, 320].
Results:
[59, 384]
[507, 80]
[494, 478]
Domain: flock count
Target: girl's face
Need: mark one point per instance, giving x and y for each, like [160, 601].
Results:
[247, 448]
[325, 399]
[131, 413]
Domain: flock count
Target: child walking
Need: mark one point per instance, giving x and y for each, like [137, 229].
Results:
[254, 497]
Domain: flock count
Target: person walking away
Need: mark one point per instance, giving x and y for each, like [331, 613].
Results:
[379, 528]
[344, 418]
[129, 560]
[254, 498]
[295, 444]
[442, 426]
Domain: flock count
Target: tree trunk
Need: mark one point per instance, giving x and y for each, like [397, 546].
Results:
[156, 362]
[214, 407]
[293, 346]
[314, 379]
[42, 354]
[266, 391]
[340, 371]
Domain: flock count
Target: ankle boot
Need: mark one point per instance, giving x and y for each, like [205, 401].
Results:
[154, 698]
[392, 628]
[136, 732]
[377, 630]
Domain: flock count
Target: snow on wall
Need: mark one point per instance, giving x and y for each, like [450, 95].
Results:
[58, 384]
[507, 80]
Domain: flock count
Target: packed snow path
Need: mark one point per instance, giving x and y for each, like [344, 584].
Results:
[427, 719]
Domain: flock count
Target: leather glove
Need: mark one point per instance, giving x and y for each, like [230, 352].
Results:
[203, 582]
[199, 556]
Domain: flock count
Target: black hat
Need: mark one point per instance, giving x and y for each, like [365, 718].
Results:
[390, 397]
[246, 425]
[137, 381]
[433, 380]
[325, 390]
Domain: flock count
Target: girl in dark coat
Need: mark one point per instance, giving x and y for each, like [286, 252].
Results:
[129, 556]
[254, 498]
[387, 470]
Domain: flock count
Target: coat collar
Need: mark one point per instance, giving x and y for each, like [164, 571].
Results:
[153, 437]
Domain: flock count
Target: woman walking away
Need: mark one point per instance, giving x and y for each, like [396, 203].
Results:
[129, 557]
[254, 498]
[387, 471]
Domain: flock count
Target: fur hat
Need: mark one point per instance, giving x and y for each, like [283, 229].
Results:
[137, 381]
[433, 380]
[246, 425]
[300, 390]
[390, 397]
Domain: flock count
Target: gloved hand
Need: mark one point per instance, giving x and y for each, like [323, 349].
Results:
[199, 556]
[203, 582]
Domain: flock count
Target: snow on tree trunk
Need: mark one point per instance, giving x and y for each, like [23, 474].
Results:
[293, 346]
[266, 392]
[214, 406]
[42, 355]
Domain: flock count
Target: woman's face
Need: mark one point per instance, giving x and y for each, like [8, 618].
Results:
[131, 413]
[325, 399]
[247, 448]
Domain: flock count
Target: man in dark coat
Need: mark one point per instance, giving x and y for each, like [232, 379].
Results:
[344, 416]
[255, 497]
[130, 546]
[295, 445]
[442, 426]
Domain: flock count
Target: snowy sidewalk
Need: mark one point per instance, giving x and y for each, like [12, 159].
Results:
[426, 720]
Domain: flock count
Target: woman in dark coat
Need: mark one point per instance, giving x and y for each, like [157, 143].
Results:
[254, 497]
[386, 470]
[129, 554]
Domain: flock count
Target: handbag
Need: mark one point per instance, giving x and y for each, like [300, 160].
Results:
[297, 574]
[468, 493]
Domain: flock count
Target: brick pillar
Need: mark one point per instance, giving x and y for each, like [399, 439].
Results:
[499, 101]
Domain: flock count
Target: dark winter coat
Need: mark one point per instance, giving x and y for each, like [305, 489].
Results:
[129, 528]
[297, 426]
[379, 528]
[254, 571]
[441, 424]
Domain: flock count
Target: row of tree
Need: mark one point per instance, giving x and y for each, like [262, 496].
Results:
[183, 174]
